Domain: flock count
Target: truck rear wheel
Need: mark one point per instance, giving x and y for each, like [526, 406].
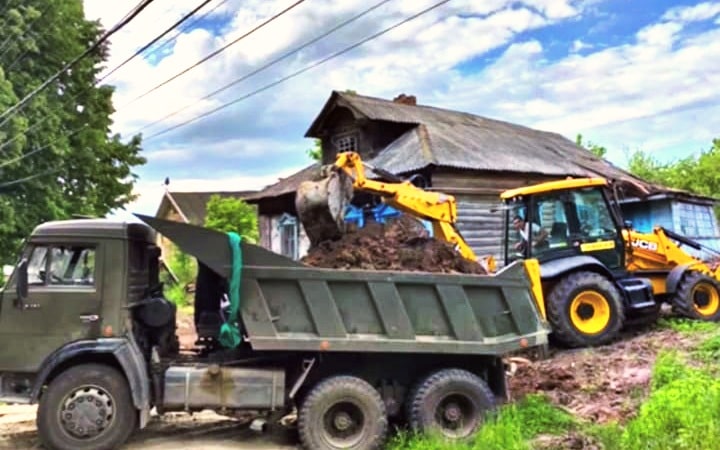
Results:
[88, 406]
[343, 412]
[698, 297]
[451, 401]
[585, 309]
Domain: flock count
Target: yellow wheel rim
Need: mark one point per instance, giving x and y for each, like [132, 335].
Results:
[590, 312]
[705, 298]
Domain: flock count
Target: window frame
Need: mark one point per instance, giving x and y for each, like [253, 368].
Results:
[50, 246]
[288, 224]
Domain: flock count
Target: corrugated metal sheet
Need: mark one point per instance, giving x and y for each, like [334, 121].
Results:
[482, 229]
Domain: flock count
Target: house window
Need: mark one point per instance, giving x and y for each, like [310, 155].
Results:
[696, 220]
[288, 228]
[346, 143]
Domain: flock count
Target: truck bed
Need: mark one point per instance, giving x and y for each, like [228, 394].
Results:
[288, 306]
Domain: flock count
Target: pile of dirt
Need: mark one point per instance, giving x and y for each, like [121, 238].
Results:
[600, 385]
[400, 244]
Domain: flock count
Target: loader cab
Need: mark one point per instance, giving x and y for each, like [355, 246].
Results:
[556, 220]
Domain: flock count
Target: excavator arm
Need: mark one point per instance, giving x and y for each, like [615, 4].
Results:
[321, 204]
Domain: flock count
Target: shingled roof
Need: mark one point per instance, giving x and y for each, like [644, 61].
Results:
[447, 138]
[454, 139]
[194, 204]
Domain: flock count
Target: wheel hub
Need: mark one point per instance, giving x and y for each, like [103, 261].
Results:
[585, 311]
[343, 421]
[87, 412]
[453, 413]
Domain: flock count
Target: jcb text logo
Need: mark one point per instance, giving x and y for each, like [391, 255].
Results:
[645, 245]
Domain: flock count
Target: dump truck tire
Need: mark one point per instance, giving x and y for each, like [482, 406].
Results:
[698, 297]
[585, 309]
[88, 406]
[343, 412]
[451, 401]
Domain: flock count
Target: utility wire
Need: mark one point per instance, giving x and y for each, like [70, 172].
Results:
[40, 149]
[215, 53]
[157, 38]
[269, 64]
[28, 178]
[8, 113]
[189, 25]
[297, 73]
[29, 29]
[43, 120]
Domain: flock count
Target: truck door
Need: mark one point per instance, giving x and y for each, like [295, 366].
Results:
[62, 304]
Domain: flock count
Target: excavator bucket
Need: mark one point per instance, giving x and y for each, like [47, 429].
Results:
[321, 206]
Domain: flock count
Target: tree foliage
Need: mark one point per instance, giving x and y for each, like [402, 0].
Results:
[315, 153]
[232, 214]
[74, 165]
[595, 149]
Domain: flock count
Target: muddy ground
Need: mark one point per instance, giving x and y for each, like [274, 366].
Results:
[401, 244]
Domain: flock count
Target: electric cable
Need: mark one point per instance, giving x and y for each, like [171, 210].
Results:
[214, 53]
[157, 38]
[8, 113]
[267, 65]
[296, 73]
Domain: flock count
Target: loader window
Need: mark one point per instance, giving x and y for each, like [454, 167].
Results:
[593, 214]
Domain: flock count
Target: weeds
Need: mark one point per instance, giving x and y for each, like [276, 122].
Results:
[511, 428]
[687, 326]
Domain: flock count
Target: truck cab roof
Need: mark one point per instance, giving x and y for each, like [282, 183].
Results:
[96, 228]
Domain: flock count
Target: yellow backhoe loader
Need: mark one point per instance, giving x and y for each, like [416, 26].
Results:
[598, 274]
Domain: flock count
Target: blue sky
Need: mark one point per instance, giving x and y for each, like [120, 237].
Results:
[625, 74]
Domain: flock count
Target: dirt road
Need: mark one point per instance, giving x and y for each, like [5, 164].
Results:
[204, 431]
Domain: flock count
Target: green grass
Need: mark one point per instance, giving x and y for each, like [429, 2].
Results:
[511, 428]
[682, 411]
[688, 326]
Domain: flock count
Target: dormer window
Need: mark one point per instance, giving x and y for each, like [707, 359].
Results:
[347, 142]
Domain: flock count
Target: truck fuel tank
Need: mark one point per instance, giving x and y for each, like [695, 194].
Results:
[197, 387]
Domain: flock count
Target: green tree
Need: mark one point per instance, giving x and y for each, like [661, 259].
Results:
[595, 149]
[232, 214]
[698, 174]
[74, 164]
[315, 153]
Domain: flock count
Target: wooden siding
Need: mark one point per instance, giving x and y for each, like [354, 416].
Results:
[482, 229]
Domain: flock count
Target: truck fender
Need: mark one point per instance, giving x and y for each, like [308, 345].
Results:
[557, 267]
[675, 276]
[124, 351]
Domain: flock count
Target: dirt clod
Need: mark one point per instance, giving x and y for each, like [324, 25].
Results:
[400, 244]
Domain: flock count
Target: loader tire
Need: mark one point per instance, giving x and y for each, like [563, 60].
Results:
[343, 412]
[87, 407]
[585, 309]
[453, 402]
[698, 297]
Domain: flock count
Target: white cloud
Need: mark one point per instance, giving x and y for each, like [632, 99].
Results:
[650, 91]
[697, 13]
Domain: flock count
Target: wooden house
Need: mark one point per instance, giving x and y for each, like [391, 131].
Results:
[471, 157]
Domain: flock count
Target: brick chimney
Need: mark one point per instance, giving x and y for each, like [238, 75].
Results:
[406, 99]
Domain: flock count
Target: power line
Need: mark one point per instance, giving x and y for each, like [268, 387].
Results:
[189, 25]
[215, 53]
[297, 73]
[157, 38]
[40, 149]
[269, 64]
[28, 178]
[129, 17]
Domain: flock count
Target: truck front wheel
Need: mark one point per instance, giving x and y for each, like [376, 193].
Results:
[343, 412]
[585, 309]
[88, 406]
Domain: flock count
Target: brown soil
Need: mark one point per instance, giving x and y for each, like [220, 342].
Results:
[600, 385]
[401, 244]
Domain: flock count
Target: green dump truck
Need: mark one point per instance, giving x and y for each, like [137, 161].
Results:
[87, 334]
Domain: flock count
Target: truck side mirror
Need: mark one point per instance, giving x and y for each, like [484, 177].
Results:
[21, 282]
